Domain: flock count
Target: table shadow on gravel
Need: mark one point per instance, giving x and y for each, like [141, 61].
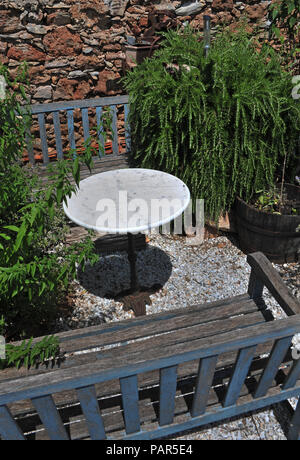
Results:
[110, 276]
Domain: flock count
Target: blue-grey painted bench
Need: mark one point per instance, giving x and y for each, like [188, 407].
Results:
[159, 375]
[50, 118]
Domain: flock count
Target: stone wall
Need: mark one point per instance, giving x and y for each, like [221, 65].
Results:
[75, 48]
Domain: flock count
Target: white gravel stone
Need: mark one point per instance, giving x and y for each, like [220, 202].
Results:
[217, 269]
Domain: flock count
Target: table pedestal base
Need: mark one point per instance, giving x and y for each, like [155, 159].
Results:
[136, 298]
[137, 302]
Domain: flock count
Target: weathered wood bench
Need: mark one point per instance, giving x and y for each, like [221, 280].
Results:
[51, 117]
[159, 375]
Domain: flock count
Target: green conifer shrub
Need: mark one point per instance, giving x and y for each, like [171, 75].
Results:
[223, 124]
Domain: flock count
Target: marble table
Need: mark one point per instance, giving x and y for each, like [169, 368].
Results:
[128, 201]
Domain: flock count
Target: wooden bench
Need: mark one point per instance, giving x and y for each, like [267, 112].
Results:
[51, 118]
[159, 375]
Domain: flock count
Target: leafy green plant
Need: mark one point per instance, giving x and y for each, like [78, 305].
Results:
[27, 354]
[275, 202]
[2, 325]
[222, 124]
[35, 265]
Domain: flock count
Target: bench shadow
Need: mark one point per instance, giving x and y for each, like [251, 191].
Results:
[111, 274]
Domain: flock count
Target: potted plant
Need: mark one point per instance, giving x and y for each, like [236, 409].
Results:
[138, 49]
[223, 123]
[270, 223]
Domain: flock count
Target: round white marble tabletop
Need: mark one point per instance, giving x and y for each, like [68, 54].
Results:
[127, 200]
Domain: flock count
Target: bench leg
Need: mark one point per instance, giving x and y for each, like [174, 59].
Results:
[294, 431]
[255, 286]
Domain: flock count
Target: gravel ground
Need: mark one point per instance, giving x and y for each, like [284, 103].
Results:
[189, 274]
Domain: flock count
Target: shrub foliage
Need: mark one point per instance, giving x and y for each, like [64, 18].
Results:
[35, 265]
[223, 124]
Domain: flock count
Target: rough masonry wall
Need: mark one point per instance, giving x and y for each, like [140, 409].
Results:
[75, 48]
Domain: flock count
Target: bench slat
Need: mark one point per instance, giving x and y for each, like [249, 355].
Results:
[241, 369]
[181, 339]
[255, 286]
[29, 144]
[163, 318]
[127, 128]
[9, 430]
[70, 120]
[43, 136]
[100, 131]
[293, 375]
[57, 132]
[78, 104]
[272, 280]
[130, 401]
[294, 431]
[204, 380]
[277, 355]
[90, 407]
[115, 143]
[100, 165]
[85, 122]
[50, 417]
[167, 322]
[168, 384]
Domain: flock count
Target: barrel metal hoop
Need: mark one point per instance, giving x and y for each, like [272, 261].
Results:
[263, 231]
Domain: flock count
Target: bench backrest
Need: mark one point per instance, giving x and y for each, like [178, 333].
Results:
[127, 364]
[66, 109]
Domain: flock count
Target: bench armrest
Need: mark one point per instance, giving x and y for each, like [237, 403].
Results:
[264, 274]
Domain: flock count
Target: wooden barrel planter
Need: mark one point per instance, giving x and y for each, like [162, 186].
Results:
[277, 236]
